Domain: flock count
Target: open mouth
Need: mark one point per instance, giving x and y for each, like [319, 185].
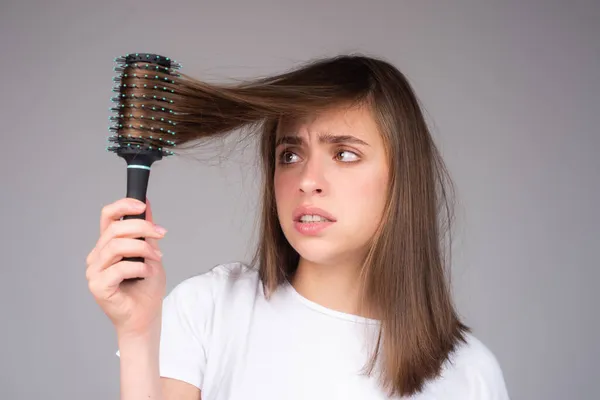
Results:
[312, 219]
[309, 220]
[308, 214]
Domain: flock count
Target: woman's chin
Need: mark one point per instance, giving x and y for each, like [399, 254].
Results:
[321, 249]
[317, 253]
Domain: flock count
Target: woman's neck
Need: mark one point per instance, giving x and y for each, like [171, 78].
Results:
[336, 287]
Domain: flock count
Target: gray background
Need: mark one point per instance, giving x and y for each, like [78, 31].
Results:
[511, 90]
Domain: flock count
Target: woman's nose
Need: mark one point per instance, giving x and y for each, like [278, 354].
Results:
[312, 179]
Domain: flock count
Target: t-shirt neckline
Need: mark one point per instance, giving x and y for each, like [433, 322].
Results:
[328, 311]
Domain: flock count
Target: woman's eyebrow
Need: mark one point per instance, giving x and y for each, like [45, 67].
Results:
[324, 138]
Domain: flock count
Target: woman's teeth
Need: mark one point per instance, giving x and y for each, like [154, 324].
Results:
[313, 218]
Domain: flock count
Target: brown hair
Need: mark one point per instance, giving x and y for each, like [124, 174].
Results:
[404, 273]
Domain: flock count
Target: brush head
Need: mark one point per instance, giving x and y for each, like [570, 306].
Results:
[143, 122]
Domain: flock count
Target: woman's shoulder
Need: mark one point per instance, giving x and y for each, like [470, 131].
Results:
[471, 372]
[221, 281]
[475, 355]
[225, 273]
[474, 351]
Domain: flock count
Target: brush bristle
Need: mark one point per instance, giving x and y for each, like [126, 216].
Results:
[143, 118]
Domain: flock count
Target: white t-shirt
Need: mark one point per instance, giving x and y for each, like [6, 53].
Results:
[221, 335]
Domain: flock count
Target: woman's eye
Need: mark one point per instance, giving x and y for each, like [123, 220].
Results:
[347, 156]
[287, 157]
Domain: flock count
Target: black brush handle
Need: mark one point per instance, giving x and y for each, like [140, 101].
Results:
[137, 186]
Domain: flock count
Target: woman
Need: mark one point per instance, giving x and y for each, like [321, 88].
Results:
[346, 297]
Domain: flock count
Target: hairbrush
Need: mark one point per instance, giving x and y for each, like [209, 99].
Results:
[143, 121]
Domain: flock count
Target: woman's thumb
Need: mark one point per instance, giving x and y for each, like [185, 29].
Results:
[148, 211]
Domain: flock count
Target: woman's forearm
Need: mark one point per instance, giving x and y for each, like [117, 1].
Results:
[139, 370]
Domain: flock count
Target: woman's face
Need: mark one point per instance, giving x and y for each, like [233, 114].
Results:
[331, 179]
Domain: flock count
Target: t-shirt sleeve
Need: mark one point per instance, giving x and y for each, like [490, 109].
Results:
[186, 319]
[186, 322]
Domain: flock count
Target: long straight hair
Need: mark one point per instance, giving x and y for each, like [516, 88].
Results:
[405, 274]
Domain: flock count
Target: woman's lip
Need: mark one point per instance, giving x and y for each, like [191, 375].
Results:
[311, 228]
[309, 210]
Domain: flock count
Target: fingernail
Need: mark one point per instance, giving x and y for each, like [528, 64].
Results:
[160, 254]
[139, 206]
[160, 229]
